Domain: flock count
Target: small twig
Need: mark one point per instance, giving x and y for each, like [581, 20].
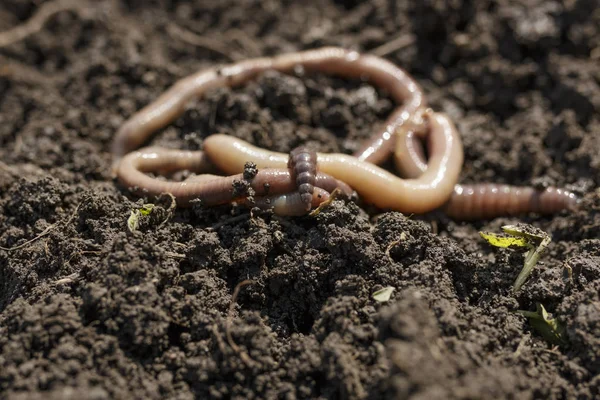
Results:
[20, 72]
[389, 249]
[187, 36]
[228, 221]
[434, 227]
[220, 343]
[247, 44]
[41, 235]
[393, 244]
[45, 231]
[37, 22]
[170, 211]
[174, 255]
[67, 279]
[521, 346]
[569, 271]
[243, 355]
[334, 195]
[400, 42]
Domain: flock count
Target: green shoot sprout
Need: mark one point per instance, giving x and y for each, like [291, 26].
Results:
[516, 236]
[133, 222]
[551, 329]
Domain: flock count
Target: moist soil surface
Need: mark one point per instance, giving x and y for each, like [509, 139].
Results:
[90, 310]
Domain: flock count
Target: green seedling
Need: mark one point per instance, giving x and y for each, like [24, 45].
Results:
[384, 294]
[521, 236]
[551, 329]
[133, 222]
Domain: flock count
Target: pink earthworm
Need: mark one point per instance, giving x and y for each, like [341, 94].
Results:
[490, 200]
[485, 200]
[338, 61]
[270, 186]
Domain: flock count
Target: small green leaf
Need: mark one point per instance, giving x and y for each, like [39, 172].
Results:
[551, 329]
[133, 222]
[384, 294]
[504, 240]
[146, 209]
[521, 235]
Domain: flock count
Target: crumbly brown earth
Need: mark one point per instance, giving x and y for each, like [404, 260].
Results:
[90, 310]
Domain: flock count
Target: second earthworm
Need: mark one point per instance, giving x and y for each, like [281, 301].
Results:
[485, 200]
[346, 63]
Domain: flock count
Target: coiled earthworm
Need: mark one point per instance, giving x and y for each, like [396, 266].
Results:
[374, 184]
[302, 163]
[346, 63]
[270, 186]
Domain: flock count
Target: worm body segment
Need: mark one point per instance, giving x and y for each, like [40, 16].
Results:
[488, 200]
[303, 165]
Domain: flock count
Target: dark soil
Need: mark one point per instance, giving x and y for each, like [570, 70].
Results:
[90, 310]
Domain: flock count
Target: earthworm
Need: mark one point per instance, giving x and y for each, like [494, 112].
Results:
[374, 184]
[346, 63]
[481, 201]
[489, 200]
[302, 162]
[213, 189]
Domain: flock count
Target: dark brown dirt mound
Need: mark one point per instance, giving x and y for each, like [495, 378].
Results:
[90, 310]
